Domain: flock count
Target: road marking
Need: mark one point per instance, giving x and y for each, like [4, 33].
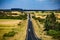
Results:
[29, 30]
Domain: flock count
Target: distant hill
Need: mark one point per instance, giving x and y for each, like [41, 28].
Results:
[16, 9]
[19, 9]
[12, 9]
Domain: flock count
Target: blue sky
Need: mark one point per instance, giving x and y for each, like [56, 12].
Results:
[30, 4]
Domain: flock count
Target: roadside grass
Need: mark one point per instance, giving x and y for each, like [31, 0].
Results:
[39, 30]
[8, 25]
[36, 28]
[23, 30]
[39, 27]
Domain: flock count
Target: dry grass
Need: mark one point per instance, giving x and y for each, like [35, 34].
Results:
[38, 27]
[21, 35]
[6, 25]
[8, 22]
[43, 17]
[12, 22]
[58, 21]
[21, 29]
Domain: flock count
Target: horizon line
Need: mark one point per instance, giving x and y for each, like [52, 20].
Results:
[30, 9]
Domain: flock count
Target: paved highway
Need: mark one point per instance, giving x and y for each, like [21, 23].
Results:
[30, 31]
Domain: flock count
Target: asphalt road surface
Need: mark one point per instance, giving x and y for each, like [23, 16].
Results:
[30, 31]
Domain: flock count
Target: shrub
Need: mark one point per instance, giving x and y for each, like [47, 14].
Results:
[57, 26]
[14, 17]
[34, 17]
[19, 23]
[50, 21]
[10, 34]
[54, 33]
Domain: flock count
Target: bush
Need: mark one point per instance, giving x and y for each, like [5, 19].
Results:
[50, 21]
[52, 27]
[34, 17]
[14, 17]
[10, 34]
[39, 19]
[54, 33]
[57, 26]
[19, 23]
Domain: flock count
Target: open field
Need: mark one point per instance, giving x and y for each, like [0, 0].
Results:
[8, 22]
[8, 25]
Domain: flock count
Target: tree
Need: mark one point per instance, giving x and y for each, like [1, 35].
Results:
[50, 21]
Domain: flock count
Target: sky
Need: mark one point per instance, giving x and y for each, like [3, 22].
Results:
[30, 4]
